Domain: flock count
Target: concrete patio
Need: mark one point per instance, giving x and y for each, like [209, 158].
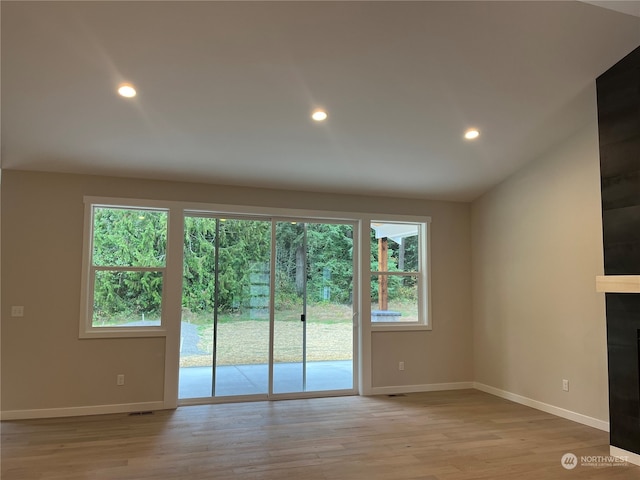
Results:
[195, 382]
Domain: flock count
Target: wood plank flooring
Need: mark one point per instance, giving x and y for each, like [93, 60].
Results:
[458, 435]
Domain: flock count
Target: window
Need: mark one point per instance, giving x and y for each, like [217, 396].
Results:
[399, 291]
[126, 269]
[132, 271]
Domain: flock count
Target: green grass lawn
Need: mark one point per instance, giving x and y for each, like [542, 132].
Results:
[243, 341]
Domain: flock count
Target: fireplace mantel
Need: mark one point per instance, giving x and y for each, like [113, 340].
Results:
[618, 283]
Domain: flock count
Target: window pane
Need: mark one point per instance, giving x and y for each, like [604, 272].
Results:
[394, 298]
[129, 238]
[127, 299]
[397, 243]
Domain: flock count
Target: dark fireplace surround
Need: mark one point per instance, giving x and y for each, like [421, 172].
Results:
[619, 130]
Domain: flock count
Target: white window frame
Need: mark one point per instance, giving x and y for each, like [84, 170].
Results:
[423, 275]
[173, 208]
[87, 330]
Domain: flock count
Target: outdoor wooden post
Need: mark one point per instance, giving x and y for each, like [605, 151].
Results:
[383, 291]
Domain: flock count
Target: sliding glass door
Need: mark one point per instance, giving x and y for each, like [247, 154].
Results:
[313, 328]
[267, 307]
[225, 314]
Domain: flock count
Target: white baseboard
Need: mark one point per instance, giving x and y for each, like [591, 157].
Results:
[429, 387]
[80, 411]
[545, 407]
[630, 456]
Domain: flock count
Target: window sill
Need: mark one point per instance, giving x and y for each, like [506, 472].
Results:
[389, 327]
[115, 332]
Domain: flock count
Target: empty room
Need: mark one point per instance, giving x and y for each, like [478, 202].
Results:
[320, 240]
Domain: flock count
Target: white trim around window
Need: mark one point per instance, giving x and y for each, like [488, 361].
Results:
[421, 273]
[171, 300]
[90, 271]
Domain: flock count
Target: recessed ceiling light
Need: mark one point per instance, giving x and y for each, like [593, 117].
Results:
[319, 115]
[471, 134]
[127, 90]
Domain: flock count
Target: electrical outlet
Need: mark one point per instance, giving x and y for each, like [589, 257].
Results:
[120, 380]
[17, 311]
[565, 385]
[401, 366]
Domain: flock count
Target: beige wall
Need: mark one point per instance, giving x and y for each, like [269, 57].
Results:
[536, 249]
[536, 317]
[45, 365]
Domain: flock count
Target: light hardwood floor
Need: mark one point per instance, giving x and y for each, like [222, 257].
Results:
[455, 435]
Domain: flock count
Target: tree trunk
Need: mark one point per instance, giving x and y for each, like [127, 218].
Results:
[300, 269]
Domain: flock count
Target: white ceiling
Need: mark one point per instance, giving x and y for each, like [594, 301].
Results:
[629, 7]
[226, 89]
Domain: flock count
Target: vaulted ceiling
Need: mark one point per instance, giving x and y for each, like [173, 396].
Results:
[226, 89]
